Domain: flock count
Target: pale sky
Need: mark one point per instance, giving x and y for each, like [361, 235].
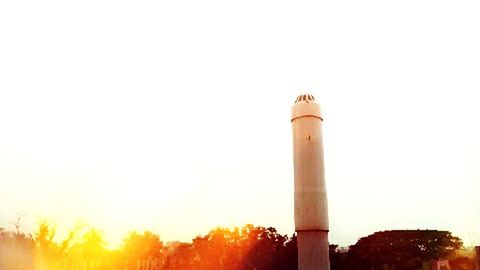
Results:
[174, 116]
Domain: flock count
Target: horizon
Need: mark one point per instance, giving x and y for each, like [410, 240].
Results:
[174, 117]
[81, 230]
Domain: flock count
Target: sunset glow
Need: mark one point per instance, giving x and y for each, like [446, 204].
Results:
[173, 117]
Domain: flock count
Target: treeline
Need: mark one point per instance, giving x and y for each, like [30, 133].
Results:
[249, 247]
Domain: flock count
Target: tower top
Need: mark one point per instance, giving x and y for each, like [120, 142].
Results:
[305, 98]
[305, 106]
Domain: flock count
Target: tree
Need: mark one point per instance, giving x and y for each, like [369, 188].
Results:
[180, 257]
[16, 250]
[138, 246]
[247, 248]
[401, 249]
[267, 247]
[91, 246]
[337, 257]
[46, 250]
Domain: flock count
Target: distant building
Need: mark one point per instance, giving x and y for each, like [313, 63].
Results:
[439, 265]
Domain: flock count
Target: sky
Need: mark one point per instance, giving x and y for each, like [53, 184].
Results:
[174, 116]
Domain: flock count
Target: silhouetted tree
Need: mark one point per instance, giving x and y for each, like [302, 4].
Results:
[247, 248]
[401, 249]
[337, 257]
[180, 258]
[91, 246]
[141, 246]
[462, 263]
[266, 247]
[16, 250]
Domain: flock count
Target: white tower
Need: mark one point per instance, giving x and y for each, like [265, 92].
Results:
[311, 210]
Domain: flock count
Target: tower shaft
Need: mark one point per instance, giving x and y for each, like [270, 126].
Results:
[311, 209]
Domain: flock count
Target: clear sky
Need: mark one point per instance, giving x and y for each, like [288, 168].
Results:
[174, 116]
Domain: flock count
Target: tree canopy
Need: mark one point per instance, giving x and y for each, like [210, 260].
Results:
[403, 249]
[247, 248]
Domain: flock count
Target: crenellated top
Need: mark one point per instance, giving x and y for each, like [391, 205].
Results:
[306, 106]
[305, 98]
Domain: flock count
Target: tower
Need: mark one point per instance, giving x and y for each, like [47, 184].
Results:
[311, 210]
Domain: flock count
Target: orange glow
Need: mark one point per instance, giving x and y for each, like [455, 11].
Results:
[85, 248]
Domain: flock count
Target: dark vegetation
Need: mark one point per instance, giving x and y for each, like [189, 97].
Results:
[249, 247]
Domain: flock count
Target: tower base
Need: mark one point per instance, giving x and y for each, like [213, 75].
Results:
[313, 250]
